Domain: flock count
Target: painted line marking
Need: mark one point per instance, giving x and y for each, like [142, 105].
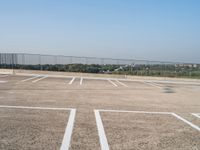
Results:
[121, 83]
[34, 77]
[101, 131]
[72, 80]
[70, 123]
[81, 81]
[151, 83]
[196, 115]
[112, 83]
[41, 78]
[186, 121]
[27, 107]
[139, 112]
[68, 131]
[123, 79]
[3, 81]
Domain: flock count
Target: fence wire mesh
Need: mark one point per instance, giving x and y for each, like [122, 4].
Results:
[38, 59]
[126, 66]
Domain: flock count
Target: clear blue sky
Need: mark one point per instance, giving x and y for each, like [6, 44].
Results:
[167, 30]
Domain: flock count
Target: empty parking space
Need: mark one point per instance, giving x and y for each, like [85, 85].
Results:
[31, 78]
[50, 83]
[34, 78]
[121, 83]
[24, 127]
[40, 78]
[96, 84]
[42, 82]
[112, 82]
[75, 83]
[145, 130]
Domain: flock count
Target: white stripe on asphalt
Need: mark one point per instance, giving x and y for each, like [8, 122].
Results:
[72, 80]
[121, 83]
[68, 131]
[41, 78]
[112, 82]
[196, 115]
[30, 78]
[81, 81]
[101, 132]
[184, 120]
[27, 107]
[152, 84]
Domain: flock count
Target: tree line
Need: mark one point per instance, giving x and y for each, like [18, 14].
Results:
[160, 70]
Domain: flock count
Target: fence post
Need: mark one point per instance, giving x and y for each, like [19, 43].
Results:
[13, 63]
[40, 62]
[0, 61]
[55, 59]
[23, 61]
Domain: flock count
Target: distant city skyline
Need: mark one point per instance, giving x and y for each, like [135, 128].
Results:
[144, 30]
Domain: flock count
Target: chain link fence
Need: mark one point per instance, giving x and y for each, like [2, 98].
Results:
[125, 66]
[38, 59]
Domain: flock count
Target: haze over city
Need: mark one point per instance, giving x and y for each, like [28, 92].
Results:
[155, 30]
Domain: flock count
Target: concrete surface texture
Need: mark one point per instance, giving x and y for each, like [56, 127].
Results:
[45, 128]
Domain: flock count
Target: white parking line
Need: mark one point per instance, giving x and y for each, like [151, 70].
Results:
[27, 107]
[39, 79]
[101, 131]
[152, 84]
[138, 112]
[81, 81]
[184, 120]
[68, 131]
[72, 80]
[112, 82]
[196, 115]
[121, 83]
[125, 79]
[34, 77]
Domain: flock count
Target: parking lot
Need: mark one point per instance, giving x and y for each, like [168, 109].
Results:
[46, 112]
